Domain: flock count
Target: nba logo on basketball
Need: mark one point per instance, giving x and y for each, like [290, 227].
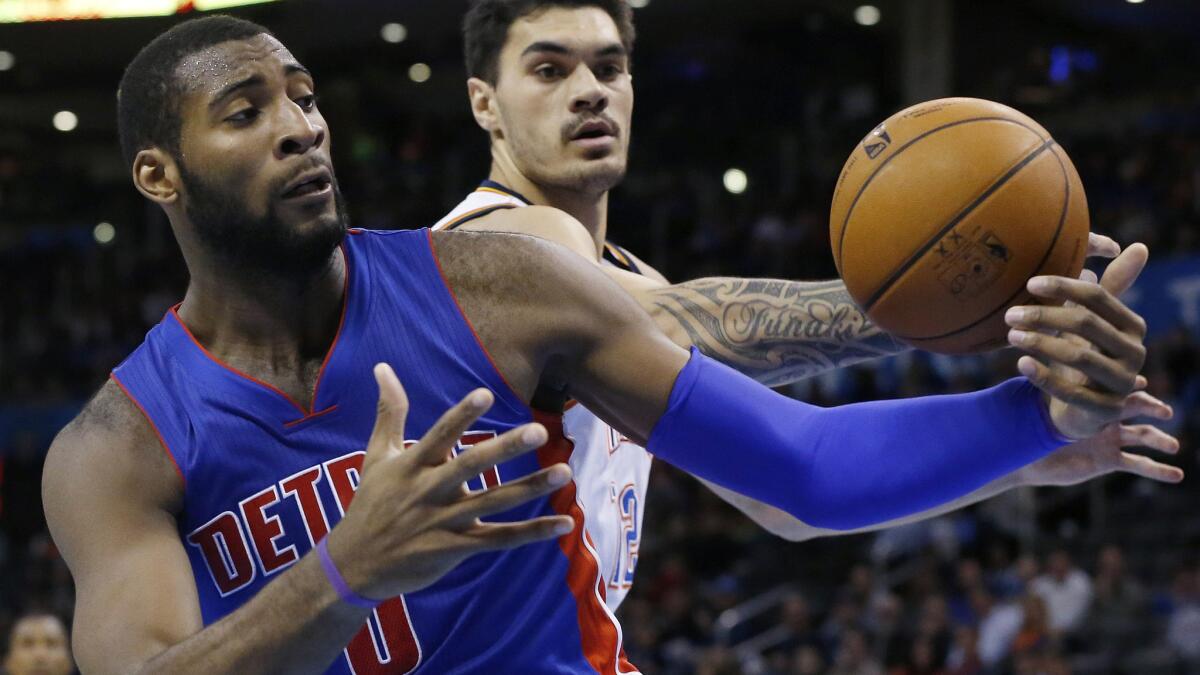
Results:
[876, 142]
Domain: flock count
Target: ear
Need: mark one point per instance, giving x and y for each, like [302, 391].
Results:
[483, 104]
[156, 176]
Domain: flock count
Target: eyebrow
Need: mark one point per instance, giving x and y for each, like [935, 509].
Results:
[545, 46]
[252, 81]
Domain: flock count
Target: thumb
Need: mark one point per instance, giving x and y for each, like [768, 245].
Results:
[390, 415]
[1124, 270]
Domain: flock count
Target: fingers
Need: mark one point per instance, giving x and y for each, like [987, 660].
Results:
[390, 416]
[434, 447]
[1086, 324]
[1095, 297]
[1100, 246]
[1148, 468]
[493, 451]
[1124, 270]
[1148, 436]
[1070, 392]
[1141, 404]
[500, 536]
[1111, 374]
[510, 495]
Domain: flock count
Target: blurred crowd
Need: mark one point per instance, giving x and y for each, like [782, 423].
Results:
[1095, 579]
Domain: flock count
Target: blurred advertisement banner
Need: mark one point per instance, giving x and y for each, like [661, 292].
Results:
[18, 11]
[1168, 294]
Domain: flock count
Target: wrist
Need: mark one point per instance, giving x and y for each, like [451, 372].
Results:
[1055, 417]
[339, 575]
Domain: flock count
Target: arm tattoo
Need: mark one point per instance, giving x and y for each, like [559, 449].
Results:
[775, 331]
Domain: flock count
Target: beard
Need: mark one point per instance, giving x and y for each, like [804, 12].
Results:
[260, 247]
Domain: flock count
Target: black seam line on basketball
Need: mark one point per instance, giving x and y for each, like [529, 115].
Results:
[1062, 219]
[927, 246]
[863, 187]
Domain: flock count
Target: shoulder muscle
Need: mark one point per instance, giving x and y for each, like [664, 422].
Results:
[539, 221]
[110, 496]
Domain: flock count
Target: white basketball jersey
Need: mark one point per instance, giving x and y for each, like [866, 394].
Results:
[611, 472]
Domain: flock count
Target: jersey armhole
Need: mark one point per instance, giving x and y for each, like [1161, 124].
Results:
[162, 441]
[474, 333]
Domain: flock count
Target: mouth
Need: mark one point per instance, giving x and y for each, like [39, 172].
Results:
[313, 183]
[595, 130]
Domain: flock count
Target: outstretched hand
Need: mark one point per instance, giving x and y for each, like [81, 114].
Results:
[1087, 353]
[1103, 453]
[412, 518]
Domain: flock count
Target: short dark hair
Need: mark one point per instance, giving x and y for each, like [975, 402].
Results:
[486, 25]
[150, 91]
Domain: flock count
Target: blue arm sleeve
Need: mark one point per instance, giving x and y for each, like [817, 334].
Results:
[854, 465]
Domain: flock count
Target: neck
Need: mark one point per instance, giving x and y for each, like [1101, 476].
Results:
[281, 321]
[589, 208]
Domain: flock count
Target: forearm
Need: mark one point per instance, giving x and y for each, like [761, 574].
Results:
[783, 524]
[296, 624]
[853, 466]
[772, 330]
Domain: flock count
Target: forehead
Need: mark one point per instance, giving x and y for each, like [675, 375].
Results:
[572, 27]
[38, 627]
[207, 71]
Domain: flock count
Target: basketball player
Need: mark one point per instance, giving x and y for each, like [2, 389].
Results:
[550, 83]
[38, 646]
[236, 498]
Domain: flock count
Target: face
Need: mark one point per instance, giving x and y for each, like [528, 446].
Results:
[257, 182]
[563, 99]
[38, 647]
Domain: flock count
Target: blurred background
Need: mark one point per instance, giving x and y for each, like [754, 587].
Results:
[745, 112]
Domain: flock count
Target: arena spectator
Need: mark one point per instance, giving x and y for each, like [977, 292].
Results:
[999, 624]
[38, 645]
[1067, 591]
[853, 656]
[963, 658]
[1116, 619]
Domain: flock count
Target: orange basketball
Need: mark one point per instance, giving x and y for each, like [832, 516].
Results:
[942, 214]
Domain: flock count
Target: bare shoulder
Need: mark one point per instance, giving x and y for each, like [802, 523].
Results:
[530, 300]
[512, 266]
[109, 446]
[539, 221]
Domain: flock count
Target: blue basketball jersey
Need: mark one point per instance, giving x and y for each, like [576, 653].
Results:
[265, 478]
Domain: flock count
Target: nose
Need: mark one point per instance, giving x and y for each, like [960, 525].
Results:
[299, 132]
[588, 94]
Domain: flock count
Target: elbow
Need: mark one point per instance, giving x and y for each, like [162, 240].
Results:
[798, 533]
[783, 525]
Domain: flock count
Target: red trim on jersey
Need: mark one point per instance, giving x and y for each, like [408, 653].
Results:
[446, 282]
[161, 440]
[601, 636]
[310, 416]
[306, 413]
[336, 336]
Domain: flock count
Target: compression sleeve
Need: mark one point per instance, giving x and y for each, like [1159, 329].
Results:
[850, 466]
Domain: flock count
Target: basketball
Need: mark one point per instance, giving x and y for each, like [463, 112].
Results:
[943, 213]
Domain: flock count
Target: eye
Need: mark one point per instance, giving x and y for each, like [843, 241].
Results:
[609, 71]
[307, 103]
[243, 116]
[548, 72]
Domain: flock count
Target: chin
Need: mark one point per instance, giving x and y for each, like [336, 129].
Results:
[598, 175]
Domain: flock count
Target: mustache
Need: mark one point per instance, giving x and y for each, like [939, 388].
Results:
[279, 184]
[571, 128]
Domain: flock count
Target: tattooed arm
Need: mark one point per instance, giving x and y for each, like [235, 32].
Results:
[774, 331]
